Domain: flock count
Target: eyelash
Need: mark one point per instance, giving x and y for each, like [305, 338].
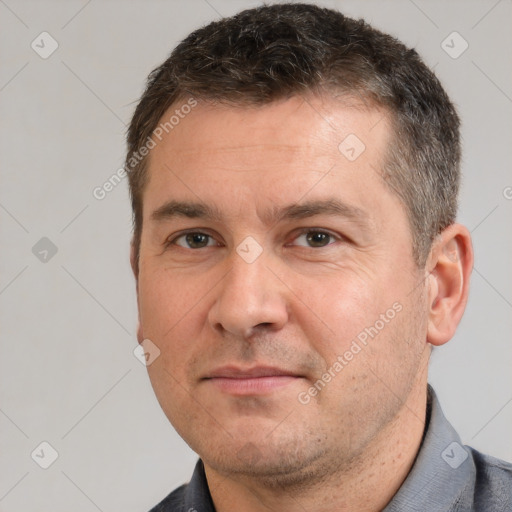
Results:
[337, 238]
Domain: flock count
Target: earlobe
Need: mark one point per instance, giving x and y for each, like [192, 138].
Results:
[140, 334]
[134, 259]
[450, 263]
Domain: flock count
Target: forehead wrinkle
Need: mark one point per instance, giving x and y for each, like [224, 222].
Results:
[189, 209]
[328, 206]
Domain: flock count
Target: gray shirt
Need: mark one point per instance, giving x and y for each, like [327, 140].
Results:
[446, 477]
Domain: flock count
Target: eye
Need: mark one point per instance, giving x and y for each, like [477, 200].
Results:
[193, 240]
[314, 238]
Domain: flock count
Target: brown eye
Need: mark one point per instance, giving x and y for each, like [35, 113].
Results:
[318, 239]
[314, 239]
[194, 240]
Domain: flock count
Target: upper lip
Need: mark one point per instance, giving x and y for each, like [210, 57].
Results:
[234, 372]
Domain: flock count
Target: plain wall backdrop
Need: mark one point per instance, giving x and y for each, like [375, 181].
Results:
[68, 318]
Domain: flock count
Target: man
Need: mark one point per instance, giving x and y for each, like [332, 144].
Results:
[294, 177]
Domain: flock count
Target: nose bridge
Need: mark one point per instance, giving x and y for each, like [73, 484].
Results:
[249, 295]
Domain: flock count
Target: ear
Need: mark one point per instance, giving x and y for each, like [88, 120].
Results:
[134, 259]
[450, 263]
[135, 269]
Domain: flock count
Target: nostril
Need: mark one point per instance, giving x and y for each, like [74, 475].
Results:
[264, 324]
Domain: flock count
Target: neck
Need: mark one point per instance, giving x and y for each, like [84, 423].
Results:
[367, 485]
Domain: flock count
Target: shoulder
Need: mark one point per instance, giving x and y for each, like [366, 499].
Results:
[174, 502]
[493, 482]
[191, 497]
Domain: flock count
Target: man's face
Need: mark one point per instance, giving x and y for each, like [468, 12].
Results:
[252, 307]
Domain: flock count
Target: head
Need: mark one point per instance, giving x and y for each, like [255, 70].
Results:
[294, 177]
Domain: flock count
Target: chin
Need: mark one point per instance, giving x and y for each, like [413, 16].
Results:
[274, 462]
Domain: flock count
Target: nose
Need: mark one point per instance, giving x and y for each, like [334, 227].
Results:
[250, 297]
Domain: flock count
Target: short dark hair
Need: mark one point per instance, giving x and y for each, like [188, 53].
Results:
[277, 51]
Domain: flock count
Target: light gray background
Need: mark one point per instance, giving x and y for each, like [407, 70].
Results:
[68, 373]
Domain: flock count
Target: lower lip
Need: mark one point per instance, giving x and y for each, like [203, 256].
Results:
[253, 385]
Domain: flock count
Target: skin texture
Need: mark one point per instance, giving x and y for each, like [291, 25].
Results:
[296, 306]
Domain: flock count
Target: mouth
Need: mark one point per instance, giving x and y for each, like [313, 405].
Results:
[258, 380]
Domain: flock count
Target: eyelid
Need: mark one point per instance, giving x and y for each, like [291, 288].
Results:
[171, 239]
[305, 230]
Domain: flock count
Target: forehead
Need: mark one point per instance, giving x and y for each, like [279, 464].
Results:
[272, 153]
[299, 123]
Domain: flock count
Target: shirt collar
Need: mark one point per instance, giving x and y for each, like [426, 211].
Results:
[197, 495]
[443, 468]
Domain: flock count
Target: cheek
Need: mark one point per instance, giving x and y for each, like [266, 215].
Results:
[164, 298]
[355, 314]
[342, 307]
[170, 317]
[172, 312]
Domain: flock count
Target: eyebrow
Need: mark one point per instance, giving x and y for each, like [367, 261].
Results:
[331, 207]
